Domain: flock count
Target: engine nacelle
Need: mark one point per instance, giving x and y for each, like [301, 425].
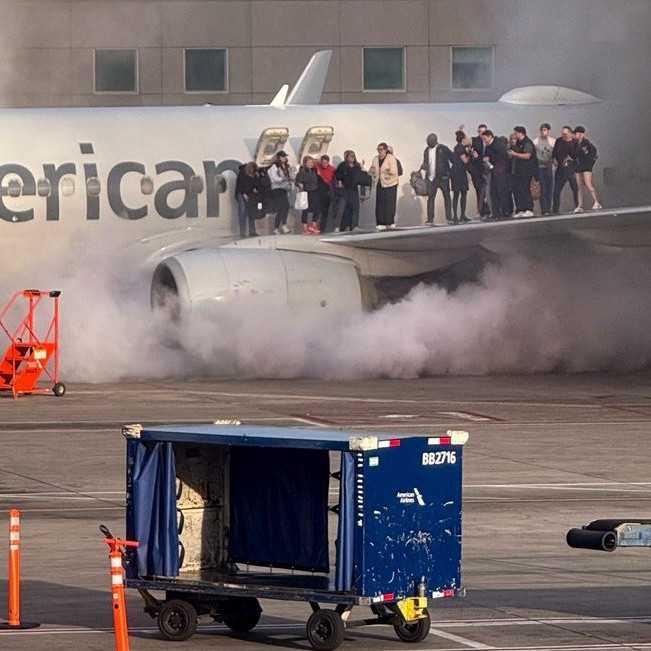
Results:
[205, 277]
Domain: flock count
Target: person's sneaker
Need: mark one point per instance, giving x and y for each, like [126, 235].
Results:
[314, 229]
[380, 227]
[393, 227]
[578, 210]
[429, 223]
[518, 215]
[465, 220]
[307, 230]
[276, 231]
[337, 230]
[528, 213]
[597, 206]
[285, 229]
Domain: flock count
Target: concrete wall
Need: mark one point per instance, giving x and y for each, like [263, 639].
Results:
[600, 46]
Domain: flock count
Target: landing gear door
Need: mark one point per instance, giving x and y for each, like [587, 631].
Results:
[316, 142]
[271, 141]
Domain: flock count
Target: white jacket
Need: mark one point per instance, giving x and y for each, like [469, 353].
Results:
[279, 180]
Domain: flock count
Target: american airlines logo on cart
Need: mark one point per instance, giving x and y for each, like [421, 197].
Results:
[415, 497]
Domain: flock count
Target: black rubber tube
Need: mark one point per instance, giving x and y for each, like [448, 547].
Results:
[605, 541]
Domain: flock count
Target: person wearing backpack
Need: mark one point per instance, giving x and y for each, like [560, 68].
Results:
[385, 171]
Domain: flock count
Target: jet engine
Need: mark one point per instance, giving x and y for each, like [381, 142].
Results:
[224, 276]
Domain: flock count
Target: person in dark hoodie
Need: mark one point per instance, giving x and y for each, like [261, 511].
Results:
[307, 181]
[248, 190]
[586, 157]
[349, 176]
[525, 168]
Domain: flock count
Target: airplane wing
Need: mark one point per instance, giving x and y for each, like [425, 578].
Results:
[619, 228]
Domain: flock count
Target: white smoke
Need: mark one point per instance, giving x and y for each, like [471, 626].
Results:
[575, 313]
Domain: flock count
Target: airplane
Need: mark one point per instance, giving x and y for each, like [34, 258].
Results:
[148, 192]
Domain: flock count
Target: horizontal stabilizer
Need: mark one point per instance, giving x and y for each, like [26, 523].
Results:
[280, 97]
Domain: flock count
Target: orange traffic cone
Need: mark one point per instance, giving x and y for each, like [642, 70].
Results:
[14, 575]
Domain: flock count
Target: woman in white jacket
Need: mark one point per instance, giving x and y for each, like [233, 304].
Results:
[281, 183]
[385, 170]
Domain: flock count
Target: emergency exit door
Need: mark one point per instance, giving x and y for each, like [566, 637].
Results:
[270, 142]
[316, 142]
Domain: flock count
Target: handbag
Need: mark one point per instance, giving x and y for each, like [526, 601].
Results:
[419, 184]
[535, 189]
[301, 202]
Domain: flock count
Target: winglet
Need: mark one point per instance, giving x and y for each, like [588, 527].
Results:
[310, 84]
[280, 97]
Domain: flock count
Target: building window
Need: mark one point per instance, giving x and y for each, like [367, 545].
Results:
[384, 68]
[116, 71]
[206, 70]
[472, 68]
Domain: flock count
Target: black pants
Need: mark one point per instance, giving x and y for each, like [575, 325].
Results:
[564, 175]
[442, 184]
[500, 196]
[347, 211]
[312, 207]
[459, 196]
[480, 182]
[522, 192]
[280, 204]
[325, 198]
[385, 205]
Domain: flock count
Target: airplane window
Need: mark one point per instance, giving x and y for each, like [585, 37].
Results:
[116, 71]
[384, 68]
[43, 188]
[67, 187]
[472, 68]
[206, 70]
[93, 186]
[146, 185]
[14, 187]
[196, 184]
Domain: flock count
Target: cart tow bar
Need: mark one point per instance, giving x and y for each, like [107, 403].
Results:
[119, 605]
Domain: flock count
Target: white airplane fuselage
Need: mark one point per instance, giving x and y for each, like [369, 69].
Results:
[96, 204]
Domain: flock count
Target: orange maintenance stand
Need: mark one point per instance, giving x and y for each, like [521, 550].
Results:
[31, 362]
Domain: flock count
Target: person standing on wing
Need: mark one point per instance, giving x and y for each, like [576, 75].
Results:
[586, 156]
[384, 170]
[437, 164]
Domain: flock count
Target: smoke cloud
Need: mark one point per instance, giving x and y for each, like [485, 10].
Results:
[571, 314]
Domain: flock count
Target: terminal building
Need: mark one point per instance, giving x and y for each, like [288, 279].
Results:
[171, 52]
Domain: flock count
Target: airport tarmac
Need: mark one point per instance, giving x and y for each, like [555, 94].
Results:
[545, 453]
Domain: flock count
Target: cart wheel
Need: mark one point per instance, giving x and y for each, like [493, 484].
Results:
[177, 620]
[415, 631]
[325, 630]
[242, 614]
[59, 389]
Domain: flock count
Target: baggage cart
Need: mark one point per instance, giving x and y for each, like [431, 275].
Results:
[227, 515]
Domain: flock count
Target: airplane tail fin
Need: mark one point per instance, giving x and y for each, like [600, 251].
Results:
[310, 84]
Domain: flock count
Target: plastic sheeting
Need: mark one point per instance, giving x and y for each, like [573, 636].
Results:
[279, 507]
[346, 527]
[153, 522]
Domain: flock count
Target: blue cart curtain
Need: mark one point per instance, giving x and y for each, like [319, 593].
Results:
[346, 528]
[153, 522]
[279, 507]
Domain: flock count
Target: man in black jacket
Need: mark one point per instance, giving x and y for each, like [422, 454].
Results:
[525, 168]
[437, 165]
[496, 163]
[564, 155]
[349, 177]
[478, 173]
